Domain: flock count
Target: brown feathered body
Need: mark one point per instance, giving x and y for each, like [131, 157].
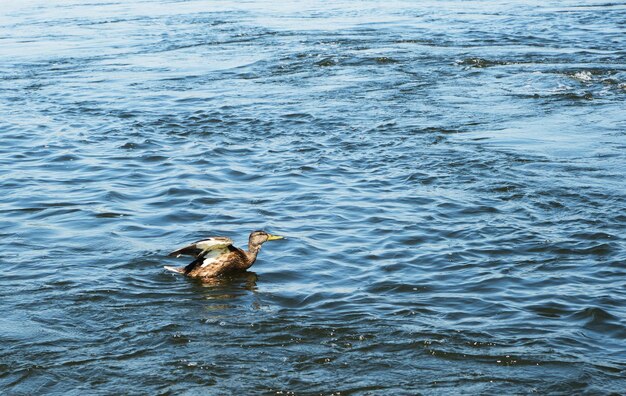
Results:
[233, 260]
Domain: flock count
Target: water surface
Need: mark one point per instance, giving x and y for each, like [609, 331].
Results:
[449, 175]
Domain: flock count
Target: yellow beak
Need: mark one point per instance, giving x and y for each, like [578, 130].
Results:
[274, 237]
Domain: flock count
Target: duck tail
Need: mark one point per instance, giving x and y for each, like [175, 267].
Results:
[178, 270]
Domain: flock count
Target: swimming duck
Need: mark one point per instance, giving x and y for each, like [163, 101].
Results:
[215, 256]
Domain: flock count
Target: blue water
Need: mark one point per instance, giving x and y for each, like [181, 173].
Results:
[449, 176]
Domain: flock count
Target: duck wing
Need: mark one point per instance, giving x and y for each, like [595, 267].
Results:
[200, 248]
[214, 258]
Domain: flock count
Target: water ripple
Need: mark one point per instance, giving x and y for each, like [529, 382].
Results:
[448, 176]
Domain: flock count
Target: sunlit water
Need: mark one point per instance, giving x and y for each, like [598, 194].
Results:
[449, 175]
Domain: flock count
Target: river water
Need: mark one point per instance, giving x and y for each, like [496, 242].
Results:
[449, 176]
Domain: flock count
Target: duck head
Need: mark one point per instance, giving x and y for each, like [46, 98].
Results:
[257, 238]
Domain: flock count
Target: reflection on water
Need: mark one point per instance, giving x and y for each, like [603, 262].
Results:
[226, 287]
[449, 176]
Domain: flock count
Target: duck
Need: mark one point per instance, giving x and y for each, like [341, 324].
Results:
[216, 256]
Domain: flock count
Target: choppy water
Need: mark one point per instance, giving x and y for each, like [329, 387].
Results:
[450, 177]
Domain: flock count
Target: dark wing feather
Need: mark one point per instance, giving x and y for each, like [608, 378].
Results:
[190, 250]
[189, 267]
[195, 249]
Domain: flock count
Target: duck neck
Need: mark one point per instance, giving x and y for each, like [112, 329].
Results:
[253, 251]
